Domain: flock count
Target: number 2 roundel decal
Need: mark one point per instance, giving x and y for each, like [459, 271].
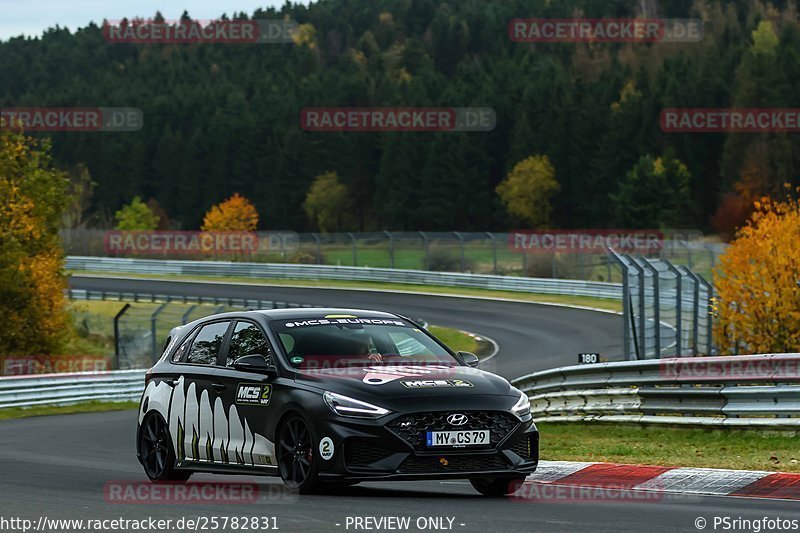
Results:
[326, 448]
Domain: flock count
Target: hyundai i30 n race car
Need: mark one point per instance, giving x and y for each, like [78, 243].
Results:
[330, 395]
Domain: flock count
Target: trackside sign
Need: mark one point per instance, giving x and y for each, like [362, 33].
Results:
[586, 241]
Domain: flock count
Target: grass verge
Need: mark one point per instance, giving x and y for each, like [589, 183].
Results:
[583, 301]
[103, 313]
[458, 341]
[46, 410]
[736, 449]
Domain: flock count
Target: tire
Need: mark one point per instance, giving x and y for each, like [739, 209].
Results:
[297, 462]
[497, 487]
[157, 454]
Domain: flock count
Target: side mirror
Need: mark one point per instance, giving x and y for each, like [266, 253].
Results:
[256, 364]
[469, 359]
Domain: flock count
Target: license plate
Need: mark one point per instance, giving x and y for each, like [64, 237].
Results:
[471, 437]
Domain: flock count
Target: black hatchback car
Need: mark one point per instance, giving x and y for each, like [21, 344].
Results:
[330, 395]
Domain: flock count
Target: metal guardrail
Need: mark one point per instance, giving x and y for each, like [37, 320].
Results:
[452, 251]
[756, 391]
[81, 294]
[72, 388]
[736, 392]
[325, 272]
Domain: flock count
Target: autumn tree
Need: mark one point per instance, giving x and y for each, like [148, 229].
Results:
[32, 281]
[527, 190]
[326, 202]
[757, 296]
[236, 213]
[136, 216]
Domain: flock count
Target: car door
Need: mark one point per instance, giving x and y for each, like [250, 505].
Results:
[197, 395]
[248, 396]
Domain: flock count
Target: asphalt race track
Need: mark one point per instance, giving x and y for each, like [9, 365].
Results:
[530, 336]
[58, 467]
[64, 467]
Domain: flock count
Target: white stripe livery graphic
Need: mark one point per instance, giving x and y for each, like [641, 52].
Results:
[200, 432]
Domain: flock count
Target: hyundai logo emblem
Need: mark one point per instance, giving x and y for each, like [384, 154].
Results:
[457, 419]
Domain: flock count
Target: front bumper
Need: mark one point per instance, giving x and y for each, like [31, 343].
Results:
[382, 449]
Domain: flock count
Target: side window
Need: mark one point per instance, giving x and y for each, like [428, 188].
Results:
[207, 343]
[178, 355]
[408, 345]
[247, 339]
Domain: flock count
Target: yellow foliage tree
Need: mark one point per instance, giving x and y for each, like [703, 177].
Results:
[527, 190]
[32, 280]
[757, 297]
[305, 34]
[236, 213]
[326, 202]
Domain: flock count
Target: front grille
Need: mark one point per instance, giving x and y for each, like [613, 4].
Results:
[412, 428]
[364, 452]
[453, 463]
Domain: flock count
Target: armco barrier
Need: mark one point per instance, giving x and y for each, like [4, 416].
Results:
[81, 294]
[758, 391]
[66, 389]
[754, 391]
[325, 272]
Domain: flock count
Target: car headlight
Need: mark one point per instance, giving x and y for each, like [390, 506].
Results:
[346, 406]
[523, 406]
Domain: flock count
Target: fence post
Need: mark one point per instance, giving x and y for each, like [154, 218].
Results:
[709, 307]
[153, 332]
[117, 318]
[427, 262]
[695, 310]
[656, 305]
[319, 248]
[355, 248]
[185, 317]
[642, 321]
[678, 307]
[391, 248]
[626, 302]
[461, 242]
[494, 252]
[711, 256]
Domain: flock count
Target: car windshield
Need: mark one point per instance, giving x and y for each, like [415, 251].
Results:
[357, 341]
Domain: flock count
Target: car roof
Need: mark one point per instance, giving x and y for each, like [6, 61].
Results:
[315, 312]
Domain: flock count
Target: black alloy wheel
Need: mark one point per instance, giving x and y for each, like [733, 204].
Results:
[155, 446]
[296, 459]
